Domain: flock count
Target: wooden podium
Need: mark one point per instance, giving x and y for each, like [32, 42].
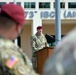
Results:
[42, 55]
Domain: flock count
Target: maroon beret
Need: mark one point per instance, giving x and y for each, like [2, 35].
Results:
[39, 27]
[15, 12]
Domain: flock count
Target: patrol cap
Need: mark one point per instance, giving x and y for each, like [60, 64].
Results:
[15, 12]
[39, 27]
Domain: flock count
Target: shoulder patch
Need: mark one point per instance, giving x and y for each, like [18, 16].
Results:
[23, 70]
[10, 63]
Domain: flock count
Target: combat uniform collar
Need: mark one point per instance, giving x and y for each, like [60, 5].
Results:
[38, 35]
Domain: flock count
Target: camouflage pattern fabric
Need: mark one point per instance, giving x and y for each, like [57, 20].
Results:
[63, 61]
[37, 43]
[12, 60]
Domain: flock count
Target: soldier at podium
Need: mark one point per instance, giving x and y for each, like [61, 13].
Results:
[38, 42]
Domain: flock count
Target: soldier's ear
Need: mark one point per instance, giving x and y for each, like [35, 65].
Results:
[19, 28]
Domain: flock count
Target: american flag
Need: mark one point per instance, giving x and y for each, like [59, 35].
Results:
[11, 62]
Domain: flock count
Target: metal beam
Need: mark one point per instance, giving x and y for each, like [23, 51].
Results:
[57, 21]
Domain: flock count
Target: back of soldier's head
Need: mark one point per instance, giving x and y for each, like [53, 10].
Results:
[63, 61]
[12, 13]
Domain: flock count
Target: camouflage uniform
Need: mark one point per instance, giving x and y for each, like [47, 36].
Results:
[63, 61]
[12, 60]
[37, 43]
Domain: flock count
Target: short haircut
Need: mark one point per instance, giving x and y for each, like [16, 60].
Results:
[6, 22]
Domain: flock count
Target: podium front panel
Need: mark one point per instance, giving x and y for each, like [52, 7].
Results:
[42, 55]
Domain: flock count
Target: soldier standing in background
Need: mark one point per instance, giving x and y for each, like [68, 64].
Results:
[38, 42]
[12, 59]
[63, 60]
